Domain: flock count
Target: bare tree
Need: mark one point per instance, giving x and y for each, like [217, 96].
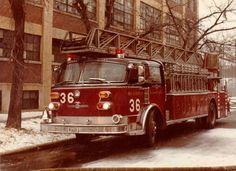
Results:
[14, 113]
[190, 31]
[82, 9]
[218, 16]
[109, 13]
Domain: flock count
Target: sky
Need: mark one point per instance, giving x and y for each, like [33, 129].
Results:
[204, 10]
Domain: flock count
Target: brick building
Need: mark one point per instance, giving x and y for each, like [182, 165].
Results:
[47, 23]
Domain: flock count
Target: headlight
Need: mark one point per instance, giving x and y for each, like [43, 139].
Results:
[106, 105]
[54, 106]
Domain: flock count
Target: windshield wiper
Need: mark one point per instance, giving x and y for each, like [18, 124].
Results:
[99, 79]
[66, 82]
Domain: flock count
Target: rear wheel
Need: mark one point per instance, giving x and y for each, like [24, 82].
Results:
[151, 129]
[210, 120]
[83, 138]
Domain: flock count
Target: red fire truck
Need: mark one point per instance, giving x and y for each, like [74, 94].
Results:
[117, 84]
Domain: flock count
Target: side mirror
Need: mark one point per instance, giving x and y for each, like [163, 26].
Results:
[141, 77]
[55, 73]
[56, 68]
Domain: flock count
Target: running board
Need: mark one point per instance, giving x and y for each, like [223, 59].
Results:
[171, 122]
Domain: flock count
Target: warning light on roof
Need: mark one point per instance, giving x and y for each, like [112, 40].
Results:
[71, 56]
[120, 53]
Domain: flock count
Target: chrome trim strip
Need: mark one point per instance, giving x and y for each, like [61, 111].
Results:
[170, 122]
[84, 129]
[95, 86]
[187, 94]
[87, 120]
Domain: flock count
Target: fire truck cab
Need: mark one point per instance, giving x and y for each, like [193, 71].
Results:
[103, 91]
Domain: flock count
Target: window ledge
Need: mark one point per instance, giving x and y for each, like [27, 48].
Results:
[4, 59]
[123, 30]
[73, 15]
[26, 61]
[35, 4]
[32, 62]
[56, 63]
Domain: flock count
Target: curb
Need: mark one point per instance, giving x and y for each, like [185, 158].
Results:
[39, 147]
[23, 119]
[219, 168]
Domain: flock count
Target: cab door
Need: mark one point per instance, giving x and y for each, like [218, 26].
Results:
[155, 80]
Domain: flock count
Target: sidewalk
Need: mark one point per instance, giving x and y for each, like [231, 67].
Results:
[25, 115]
[28, 136]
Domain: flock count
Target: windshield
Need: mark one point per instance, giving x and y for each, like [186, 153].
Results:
[92, 72]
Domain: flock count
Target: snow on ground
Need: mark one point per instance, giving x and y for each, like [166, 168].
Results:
[203, 148]
[29, 135]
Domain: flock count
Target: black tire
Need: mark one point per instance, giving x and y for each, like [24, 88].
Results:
[151, 129]
[209, 121]
[211, 118]
[83, 138]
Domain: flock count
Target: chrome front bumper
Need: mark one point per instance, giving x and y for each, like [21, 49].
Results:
[84, 129]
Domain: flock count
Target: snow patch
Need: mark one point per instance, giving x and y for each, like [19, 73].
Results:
[29, 135]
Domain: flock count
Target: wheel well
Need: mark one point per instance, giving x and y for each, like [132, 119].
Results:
[159, 118]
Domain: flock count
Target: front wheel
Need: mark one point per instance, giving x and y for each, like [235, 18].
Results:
[151, 129]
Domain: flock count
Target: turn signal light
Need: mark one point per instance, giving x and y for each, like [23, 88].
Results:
[54, 95]
[104, 105]
[104, 94]
[71, 55]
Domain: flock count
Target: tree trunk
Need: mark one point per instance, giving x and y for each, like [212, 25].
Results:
[82, 9]
[14, 113]
[109, 13]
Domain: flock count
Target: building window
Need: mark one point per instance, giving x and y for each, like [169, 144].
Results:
[192, 4]
[172, 36]
[1, 43]
[91, 7]
[6, 42]
[123, 14]
[67, 6]
[30, 99]
[150, 17]
[0, 100]
[32, 47]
